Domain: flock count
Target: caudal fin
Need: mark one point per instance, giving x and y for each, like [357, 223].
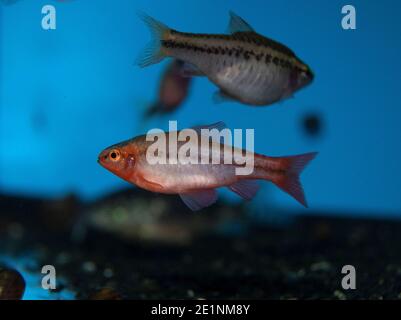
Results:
[289, 181]
[152, 53]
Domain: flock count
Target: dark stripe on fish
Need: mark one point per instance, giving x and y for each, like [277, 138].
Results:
[238, 52]
[247, 37]
[260, 41]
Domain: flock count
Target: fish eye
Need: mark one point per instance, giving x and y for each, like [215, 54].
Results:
[115, 155]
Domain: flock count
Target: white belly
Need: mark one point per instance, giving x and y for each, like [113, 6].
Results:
[252, 82]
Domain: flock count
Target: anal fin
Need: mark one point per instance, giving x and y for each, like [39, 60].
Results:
[198, 200]
[246, 189]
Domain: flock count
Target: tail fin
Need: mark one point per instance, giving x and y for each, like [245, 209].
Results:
[152, 53]
[289, 182]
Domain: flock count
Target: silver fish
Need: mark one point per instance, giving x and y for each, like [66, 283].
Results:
[245, 65]
[196, 182]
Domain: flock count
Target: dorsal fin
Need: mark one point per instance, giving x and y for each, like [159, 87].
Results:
[237, 24]
[218, 125]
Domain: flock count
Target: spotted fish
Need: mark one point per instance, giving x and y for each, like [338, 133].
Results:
[246, 66]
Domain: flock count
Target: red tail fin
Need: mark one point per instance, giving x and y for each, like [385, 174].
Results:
[289, 182]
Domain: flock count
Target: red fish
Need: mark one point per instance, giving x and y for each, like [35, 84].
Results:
[197, 183]
[173, 90]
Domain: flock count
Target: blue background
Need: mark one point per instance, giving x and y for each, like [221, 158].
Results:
[68, 93]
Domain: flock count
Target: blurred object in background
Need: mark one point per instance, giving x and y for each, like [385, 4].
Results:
[135, 215]
[59, 215]
[12, 284]
[55, 216]
[132, 214]
[173, 90]
[106, 294]
[313, 125]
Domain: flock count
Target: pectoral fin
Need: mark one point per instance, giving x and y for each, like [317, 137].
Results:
[189, 70]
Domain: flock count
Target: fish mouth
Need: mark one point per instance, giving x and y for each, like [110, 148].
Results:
[100, 162]
[311, 75]
[102, 157]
